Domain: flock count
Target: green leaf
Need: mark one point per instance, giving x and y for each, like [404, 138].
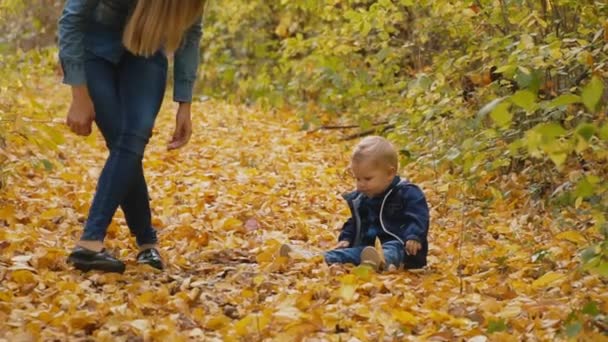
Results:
[591, 309]
[527, 79]
[507, 69]
[489, 107]
[584, 188]
[496, 326]
[573, 329]
[558, 158]
[563, 100]
[539, 255]
[524, 99]
[585, 130]
[550, 130]
[588, 254]
[604, 132]
[592, 93]
[362, 272]
[501, 115]
[452, 153]
[54, 135]
[48, 166]
[602, 269]
[423, 82]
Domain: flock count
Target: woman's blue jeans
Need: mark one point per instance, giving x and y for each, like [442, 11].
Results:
[127, 97]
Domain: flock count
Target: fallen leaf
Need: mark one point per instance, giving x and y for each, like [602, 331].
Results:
[547, 279]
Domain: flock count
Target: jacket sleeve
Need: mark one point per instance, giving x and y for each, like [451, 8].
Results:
[348, 231]
[72, 23]
[186, 61]
[416, 212]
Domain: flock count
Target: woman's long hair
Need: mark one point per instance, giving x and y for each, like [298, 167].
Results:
[160, 23]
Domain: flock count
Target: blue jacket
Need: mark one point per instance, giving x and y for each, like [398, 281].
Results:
[96, 26]
[404, 215]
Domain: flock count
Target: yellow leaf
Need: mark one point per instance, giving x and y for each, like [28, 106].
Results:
[67, 286]
[558, 158]
[217, 322]
[5, 296]
[347, 292]
[232, 223]
[304, 301]
[297, 332]
[499, 228]
[198, 314]
[363, 272]
[45, 316]
[143, 325]
[51, 258]
[510, 311]
[265, 256]
[444, 188]
[572, 236]
[247, 293]
[439, 316]
[23, 277]
[380, 250]
[577, 202]
[91, 140]
[404, 317]
[348, 279]
[81, 319]
[546, 279]
[257, 280]
[7, 212]
[54, 134]
[146, 298]
[245, 325]
[51, 213]
[71, 177]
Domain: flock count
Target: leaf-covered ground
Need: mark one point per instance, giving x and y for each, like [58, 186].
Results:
[248, 181]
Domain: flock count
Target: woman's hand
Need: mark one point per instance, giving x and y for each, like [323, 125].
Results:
[81, 113]
[183, 127]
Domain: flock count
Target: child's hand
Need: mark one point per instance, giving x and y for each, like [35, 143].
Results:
[412, 247]
[343, 244]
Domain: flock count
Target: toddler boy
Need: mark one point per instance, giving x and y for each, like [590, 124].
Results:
[382, 206]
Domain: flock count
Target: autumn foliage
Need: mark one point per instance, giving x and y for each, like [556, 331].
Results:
[514, 172]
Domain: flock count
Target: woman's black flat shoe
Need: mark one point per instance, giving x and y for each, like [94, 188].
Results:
[86, 260]
[150, 257]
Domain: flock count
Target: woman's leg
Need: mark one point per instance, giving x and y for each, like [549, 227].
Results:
[141, 85]
[140, 112]
[136, 207]
[103, 88]
[105, 95]
[102, 85]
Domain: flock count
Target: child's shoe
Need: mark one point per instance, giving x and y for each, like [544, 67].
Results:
[370, 257]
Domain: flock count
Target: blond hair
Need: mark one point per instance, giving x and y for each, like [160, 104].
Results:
[160, 23]
[377, 149]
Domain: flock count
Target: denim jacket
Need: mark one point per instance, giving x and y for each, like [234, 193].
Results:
[96, 26]
[404, 215]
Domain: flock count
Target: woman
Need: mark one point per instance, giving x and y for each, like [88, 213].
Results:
[113, 54]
